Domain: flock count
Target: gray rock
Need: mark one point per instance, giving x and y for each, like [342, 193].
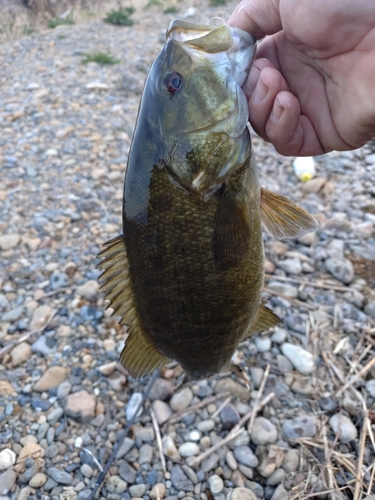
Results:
[256, 375]
[7, 481]
[304, 426]
[291, 461]
[188, 449]
[127, 472]
[263, 431]
[291, 266]
[283, 288]
[44, 345]
[327, 404]
[279, 336]
[59, 280]
[280, 493]
[180, 480]
[13, 314]
[227, 384]
[229, 416]
[242, 494]
[115, 484]
[206, 425]
[370, 387]
[283, 363]
[162, 411]
[344, 427]
[215, 484]
[60, 476]
[169, 448]
[162, 389]
[335, 249]
[245, 456]
[86, 470]
[370, 309]
[181, 399]
[145, 434]
[64, 389]
[55, 415]
[302, 360]
[341, 269]
[296, 322]
[263, 344]
[125, 447]
[137, 490]
[276, 477]
[145, 454]
[210, 462]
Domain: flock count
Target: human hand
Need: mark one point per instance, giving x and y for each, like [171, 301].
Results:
[311, 88]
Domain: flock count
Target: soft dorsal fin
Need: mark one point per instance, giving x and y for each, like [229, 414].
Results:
[139, 356]
[232, 231]
[264, 319]
[282, 218]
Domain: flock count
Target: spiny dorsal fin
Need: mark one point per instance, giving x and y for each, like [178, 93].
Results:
[138, 357]
[264, 319]
[282, 218]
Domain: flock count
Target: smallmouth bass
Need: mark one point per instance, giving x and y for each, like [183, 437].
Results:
[186, 275]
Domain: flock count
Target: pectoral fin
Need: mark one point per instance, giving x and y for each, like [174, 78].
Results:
[139, 356]
[232, 231]
[265, 319]
[282, 218]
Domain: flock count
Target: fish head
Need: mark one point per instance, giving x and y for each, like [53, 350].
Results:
[196, 103]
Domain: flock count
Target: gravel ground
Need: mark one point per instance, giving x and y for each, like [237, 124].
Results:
[304, 429]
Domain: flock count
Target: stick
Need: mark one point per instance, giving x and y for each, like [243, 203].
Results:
[223, 405]
[158, 439]
[123, 436]
[236, 431]
[305, 282]
[26, 336]
[259, 395]
[356, 377]
[358, 484]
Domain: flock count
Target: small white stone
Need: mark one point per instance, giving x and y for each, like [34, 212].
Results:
[344, 426]
[216, 484]
[188, 449]
[7, 458]
[302, 360]
[78, 442]
[134, 407]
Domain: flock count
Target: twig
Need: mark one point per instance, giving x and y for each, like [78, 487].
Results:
[305, 282]
[86, 450]
[211, 399]
[362, 442]
[293, 301]
[158, 439]
[259, 395]
[236, 431]
[223, 405]
[26, 336]
[356, 377]
[123, 436]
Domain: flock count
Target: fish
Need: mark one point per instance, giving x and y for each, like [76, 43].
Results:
[186, 274]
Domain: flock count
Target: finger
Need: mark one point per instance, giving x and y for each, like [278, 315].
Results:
[261, 99]
[257, 17]
[291, 133]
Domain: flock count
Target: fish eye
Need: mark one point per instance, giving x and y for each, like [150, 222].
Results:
[173, 82]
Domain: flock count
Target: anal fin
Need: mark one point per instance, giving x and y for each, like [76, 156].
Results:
[282, 218]
[264, 319]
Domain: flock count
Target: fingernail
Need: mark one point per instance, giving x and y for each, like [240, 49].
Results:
[260, 91]
[252, 80]
[277, 111]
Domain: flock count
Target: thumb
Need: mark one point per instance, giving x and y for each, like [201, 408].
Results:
[257, 17]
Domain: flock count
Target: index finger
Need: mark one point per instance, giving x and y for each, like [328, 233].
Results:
[257, 17]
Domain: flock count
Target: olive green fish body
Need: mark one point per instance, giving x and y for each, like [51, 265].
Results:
[187, 273]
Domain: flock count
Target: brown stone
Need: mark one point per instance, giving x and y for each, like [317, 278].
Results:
[81, 406]
[51, 378]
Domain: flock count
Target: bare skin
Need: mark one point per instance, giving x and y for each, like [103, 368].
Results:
[311, 89]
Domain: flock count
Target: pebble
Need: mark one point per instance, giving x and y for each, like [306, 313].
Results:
[180, 480]
[7, 458]
[303, 426]
[89, 290]
[13, 314]
[181, 399]
[125, 447]
[341, 269]
[59, 280]
[229, 416]
[158, 491]
[279, 335]
[283, 289]
[8, 241]
[20, 353]
[280, 493]
[262, 343]
[116, 485]
[291, 461]
[127, 472]
[188, 449]
[344, 426]
[242, 494]
[38, 480]
[60, 476]
[134, 407]
[302, 360]
[40, 317]
[52, 377]
[162, 389]
[44, 345]
[64, 389]
[7, 480]
[263, 431]
[245, 456]
[370, 388]
[229, 385]
[145, 454]
[162, 411]
[81, 405]
[291, 266]
[206, 425]
[276, 477]
[216, 484]
[137, 490]
[169, 448]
